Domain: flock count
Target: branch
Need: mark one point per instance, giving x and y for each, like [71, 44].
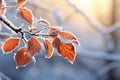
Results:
[9, 24]
[107, 68]
[99, 27]
[82, 52]
[114, 27]
[41, 6]
[20, 30]
[3, 77]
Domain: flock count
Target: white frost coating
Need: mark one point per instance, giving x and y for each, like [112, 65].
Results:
[65, 40]
[4, 77]
[34, 60]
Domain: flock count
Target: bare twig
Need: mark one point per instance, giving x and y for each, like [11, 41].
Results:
[99, 27]
[9, 24]
[104, 70]
[114, 27]
[41, 6]
[98, 54]
[4, 77]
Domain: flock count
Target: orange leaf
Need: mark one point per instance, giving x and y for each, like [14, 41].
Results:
[33, 46]
[2, 7]
[20, 2]
[26, 14]
[22, 57]
[10, 44]
[66, 50]
[69, 35]
[49, 48]
[53, 31]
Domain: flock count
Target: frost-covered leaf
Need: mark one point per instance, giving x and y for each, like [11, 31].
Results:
[10, 44]
[53, 32]
[69, 36]
[49, 49]
[43, 21]
[21, 2]
[66, 50]
[22, 57]
[33, 46]
[26, 14]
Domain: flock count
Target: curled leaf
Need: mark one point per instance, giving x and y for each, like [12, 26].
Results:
[43, 21]
[26, 14]
[21, 2]
[10, 44]
[53, 32]
[66, 50]
[69, 36]
[2, 7]
[22, 57]
[33, 46]
[49, 48]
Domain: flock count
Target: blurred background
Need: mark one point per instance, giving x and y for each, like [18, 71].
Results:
[96, 24]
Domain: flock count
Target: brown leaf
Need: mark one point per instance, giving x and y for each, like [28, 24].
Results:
[33, 46]
[2, 7]
[10, 44]
[26, 14]
[22, 57]
[66, 50]
[20, 2]
[49, 48]
[69, 36]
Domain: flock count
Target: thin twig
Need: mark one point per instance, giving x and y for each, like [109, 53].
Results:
[41, 29]
[4, 77]
[99, 27]
[102, 55]
[114, 27]
[104, 70]
[9, 24]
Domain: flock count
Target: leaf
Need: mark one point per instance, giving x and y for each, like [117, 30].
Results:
[33, 46]
[2, 7]
[10, 44]
[65, 50]
[43, 21]
[53, 32]
[69, 36]
[26, 14]
[21, 2]
[22, 57]
[49, 48]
